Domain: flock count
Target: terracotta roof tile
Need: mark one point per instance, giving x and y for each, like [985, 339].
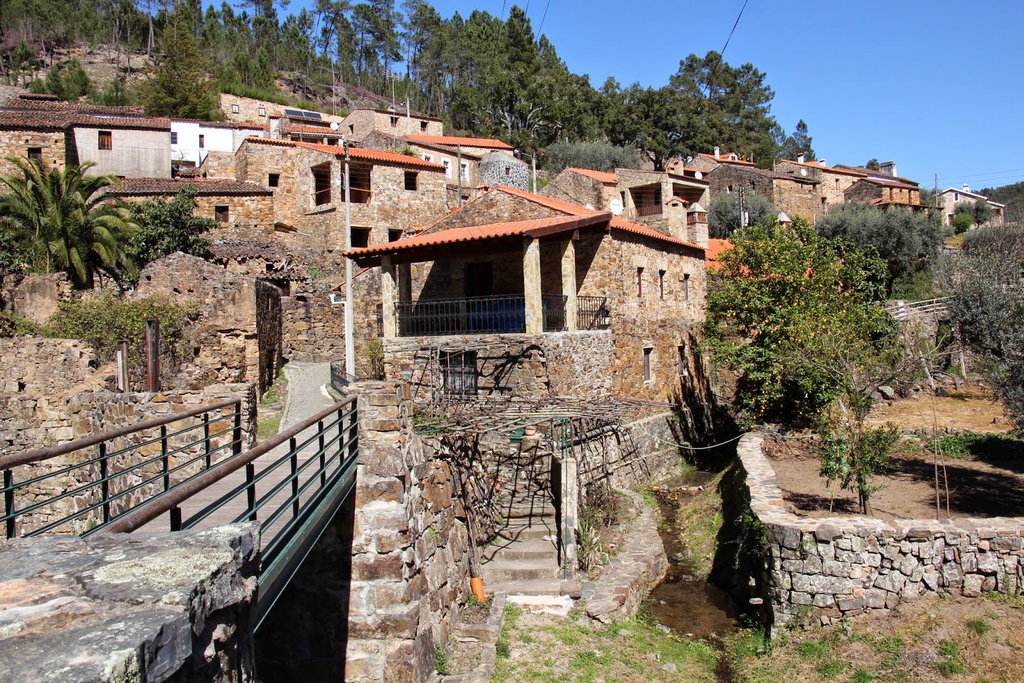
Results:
[827, 169]
[319, 130]
[577, 210]
[452, 141]
[715, 249]
[357, 153]
[169, 186]
[479, 233]
[71, 107]
[602, 176]
[51, 120]
[723, 158]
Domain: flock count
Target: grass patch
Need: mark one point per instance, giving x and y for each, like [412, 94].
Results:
[698, 520]
[267, 427]
[978, 626]
[984, 446]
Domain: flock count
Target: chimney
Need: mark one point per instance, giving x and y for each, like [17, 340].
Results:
[717, 151]
[888, 168]
[800, 158]
[821, 161]
[967, 188]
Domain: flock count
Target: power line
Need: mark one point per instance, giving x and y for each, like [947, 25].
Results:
[539, 30]
[721, 55]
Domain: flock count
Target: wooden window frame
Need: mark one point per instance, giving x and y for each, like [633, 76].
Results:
[222, 213]
[321, 184]
[105, 140]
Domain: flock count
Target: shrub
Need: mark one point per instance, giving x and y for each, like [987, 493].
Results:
[105, 321]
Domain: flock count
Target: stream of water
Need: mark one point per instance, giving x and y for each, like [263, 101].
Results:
[689, 606]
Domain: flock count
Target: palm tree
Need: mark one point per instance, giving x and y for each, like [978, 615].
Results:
[64, 221]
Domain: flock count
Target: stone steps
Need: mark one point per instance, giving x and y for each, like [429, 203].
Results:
[523, 559]
[531, 548]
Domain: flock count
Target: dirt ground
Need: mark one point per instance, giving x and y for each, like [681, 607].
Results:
[987, 484]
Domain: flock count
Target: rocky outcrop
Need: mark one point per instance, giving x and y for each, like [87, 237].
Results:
[120, 609]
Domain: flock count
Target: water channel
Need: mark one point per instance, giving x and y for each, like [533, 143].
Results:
[689, 606]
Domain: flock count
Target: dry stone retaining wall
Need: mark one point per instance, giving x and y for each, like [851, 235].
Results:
[36, 365]
[839, 566]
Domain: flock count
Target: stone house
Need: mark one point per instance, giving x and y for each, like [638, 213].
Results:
[192, 141]
[517, 294]
[950, 197]
[239, 208]
[238, 109]
[119, 140]
[832, 182]
[793, 194]
[359, 124]
[667, 201]
[389, 192]
[885, 192]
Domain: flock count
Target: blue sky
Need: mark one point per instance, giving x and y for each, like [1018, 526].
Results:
[934, 86]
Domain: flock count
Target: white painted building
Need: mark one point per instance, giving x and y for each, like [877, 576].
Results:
[951, 197]
[193, 140]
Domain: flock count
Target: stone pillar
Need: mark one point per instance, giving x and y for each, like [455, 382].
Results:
[570, 512]
[569, 284]
[388, 297]
[531, 287]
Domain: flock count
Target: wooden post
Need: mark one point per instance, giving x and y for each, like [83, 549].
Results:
[152, 356]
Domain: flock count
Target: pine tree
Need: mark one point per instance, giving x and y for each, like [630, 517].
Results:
[179, 87]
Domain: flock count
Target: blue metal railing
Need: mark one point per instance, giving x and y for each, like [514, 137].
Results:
[504, 314]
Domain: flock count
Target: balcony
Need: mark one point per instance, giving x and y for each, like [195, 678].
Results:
[492, 315]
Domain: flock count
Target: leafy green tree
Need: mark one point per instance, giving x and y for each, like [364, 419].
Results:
[962, 222]
[68, 83]
[908, 241]
[597, 155]
[852, 453]
[179, 86]
[986, 303]
[60, 219]
[872, 164]
[724, 213]
[979, 212]
[798, 143]
[795, 316]
[166, 227]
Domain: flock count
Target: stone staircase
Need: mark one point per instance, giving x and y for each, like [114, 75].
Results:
[523, 559]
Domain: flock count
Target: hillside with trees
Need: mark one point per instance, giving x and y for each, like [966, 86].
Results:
[482, 74]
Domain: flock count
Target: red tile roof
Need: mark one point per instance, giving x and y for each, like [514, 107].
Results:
[59, 120]
[815, 164]
[453, 141]
[602, 176]
[203, 187]
[357, 153]
[715, 249]
[318, 130]
[723, 158]
[577, 210]
[531, 228]
[33, 104]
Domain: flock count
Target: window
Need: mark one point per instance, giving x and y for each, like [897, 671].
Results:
[661, 285]
[728, 189]
[262, 111]
[394, 235]
[647, 364]
[639, 282]
[174, 137]
[447, 163]
[222, 214]
[360, 237]
[410, 180]
[459, 373]
[682, 362]
[686, 287]
[321, 184]
[423, 126]
[35, 154]
[394, 121]
[464, 171]
[106, 140]
[359, 183]
[202, 142]
[351, 128]
[956, 196]
[274, 179]
[234, 108]
[428, 157]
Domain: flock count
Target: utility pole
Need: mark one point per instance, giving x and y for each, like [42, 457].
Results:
[458, 171]
[350, 342]
[743, 210]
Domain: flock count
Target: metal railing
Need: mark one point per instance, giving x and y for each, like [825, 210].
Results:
[554, 312]
[85, 485]
[592, 313]
[308, 472]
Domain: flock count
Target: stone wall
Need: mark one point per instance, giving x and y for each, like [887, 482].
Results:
[37, 297]
[17, 143]
[269, 334]
[122, 609]
[362, 122]
[570, 186]
[557, 364]
[842, 566]
[798, 198]
[224, 340]
[314, 327]
[410, 549]
[501, 168]
[36, 365]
